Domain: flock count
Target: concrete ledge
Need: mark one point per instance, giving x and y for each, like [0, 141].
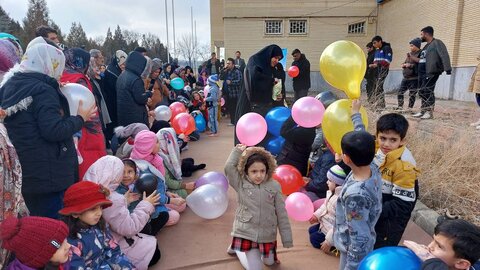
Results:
[424, 217]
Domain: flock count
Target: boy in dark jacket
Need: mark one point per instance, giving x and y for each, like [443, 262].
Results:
[301, 83]
[410, 75]
[381, 62]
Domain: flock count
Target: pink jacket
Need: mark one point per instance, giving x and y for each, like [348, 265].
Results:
[108, 171]
[326, 214]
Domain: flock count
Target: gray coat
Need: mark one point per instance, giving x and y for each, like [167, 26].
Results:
[261, 208]
[438, 59]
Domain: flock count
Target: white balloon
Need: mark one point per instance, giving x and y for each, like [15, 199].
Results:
[208, 201]
[163, 112]
[75, 92]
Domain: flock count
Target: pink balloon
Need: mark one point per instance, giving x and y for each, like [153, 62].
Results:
[299, 206]
[222, 102]
[318, 203]
[308, 112]
[251, 129]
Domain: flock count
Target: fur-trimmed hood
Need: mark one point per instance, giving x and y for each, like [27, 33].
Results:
[272, 163]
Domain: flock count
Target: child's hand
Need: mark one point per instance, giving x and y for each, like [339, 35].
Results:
[313, 220]
[189, 185]
[325, 247]
[338, 157]
[420, 250]
[152, 198]
[131, 197]
[177, 201]
[241, 147]
[356, 104]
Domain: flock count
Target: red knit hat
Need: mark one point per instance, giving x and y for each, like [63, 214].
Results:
[84, 195]
[34, 240]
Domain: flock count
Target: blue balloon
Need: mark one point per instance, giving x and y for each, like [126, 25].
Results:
[275, 145]
[275, 119]
[200, 123]
[391, 258]
[177, 83]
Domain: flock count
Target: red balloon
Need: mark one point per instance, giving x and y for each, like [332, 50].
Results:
[184, 123]
[289, 177]
[293, 71]
[177, 108]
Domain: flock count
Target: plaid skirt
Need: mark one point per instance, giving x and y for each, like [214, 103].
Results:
[244, 245]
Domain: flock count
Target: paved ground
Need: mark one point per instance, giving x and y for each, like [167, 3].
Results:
[196, 243]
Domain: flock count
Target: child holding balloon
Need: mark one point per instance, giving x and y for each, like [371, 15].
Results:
[261, 208]
[321, 234]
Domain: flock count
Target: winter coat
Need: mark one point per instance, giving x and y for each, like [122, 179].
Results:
[302, 81]
[370, 72]
[92, 142]
[159, 92]
[475, 81]
[411, 73]
[17, 265]
[297, 147]
[109, 89]
[131, 94]
[41, 129]
[437, 57]
[318, 178]
[261, 208]
[208, 67]
[383, 57]
[326, 214]
[93, 248]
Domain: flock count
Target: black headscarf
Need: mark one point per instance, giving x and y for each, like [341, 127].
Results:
[77, 59]
[258, 74]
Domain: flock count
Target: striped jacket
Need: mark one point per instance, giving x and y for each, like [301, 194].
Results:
[383, 56]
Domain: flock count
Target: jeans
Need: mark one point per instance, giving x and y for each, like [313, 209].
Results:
[212, 119]
[44, 204]
[316, 236]
[427, 92]
[378, 93]
[412, 87]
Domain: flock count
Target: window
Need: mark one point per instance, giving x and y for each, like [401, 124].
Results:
[273, 27]
[356, 28]
[298, 27]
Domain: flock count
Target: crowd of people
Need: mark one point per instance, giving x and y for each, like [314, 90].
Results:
[91, 189]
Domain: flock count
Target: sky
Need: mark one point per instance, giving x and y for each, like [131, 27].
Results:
[142, 16]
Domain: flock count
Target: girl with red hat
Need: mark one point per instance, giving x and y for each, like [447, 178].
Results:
[93, 246]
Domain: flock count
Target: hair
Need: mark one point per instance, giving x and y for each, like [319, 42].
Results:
[140, 49]
[95, 53]
[465, 236]
[359, 146]
[393, 122]
[238, 52]
[75, 225]
[130, 163]
[369, 45]
[213, 53]
[231, 60]
[377, 39]
[296, 51]
[44, 30]
[256, 158]
[428, 30]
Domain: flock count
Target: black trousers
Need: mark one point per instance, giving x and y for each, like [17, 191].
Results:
[154, 225]
[378, 93]
[232, 108]
[412, 87]
[299, 93]
[427, 92]
[369, 87]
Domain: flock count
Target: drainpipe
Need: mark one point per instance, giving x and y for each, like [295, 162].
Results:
[456, 47]
[376, 20]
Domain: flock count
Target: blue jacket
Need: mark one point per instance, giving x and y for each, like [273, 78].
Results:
[41, 129]
[213, 95]
[318, 182]
[383, 56]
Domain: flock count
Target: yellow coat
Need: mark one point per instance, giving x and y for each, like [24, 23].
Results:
[475, 81]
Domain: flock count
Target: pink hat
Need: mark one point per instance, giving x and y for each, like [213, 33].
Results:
[143, 145]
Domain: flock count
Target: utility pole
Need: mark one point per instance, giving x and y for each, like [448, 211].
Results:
[173, 18]
[192, 42]
[166, 23]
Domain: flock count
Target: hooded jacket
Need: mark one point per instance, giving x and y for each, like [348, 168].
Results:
[302, 81]
[109, 89]
[131, 94]
[261, 208]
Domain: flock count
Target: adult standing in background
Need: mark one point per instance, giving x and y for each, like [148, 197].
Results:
[48, 33]
[213, 65]
[370, 73]
[239, 62]
[232, 84]
[301, 83]
[381, 64]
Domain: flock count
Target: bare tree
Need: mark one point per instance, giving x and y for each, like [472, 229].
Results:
[187, 48]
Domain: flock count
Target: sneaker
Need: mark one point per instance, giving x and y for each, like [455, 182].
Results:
[427, 115]
[475, 124]
[418, 115]
[230, 251]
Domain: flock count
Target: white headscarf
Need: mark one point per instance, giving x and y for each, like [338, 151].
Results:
[170, 152]
[35, 41]
[106, 171]
[43, 58]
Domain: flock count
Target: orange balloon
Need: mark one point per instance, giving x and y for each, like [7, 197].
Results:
[177, 108]
[184, 123]
[289, 177]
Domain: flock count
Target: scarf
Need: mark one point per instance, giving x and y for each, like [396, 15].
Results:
[106, 171]
[170, 151]
[142, 149]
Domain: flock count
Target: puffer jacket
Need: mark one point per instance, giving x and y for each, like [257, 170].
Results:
[261, 208]
[131, 95]
[326, 214]
[41, 129]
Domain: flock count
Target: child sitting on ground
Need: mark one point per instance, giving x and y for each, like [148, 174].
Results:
[37, 243]
[321, 234]
[455, 245]
[261, 209]
[212, 105]
[399, 175]
[360, 201]
[93, 246]
[123, 138]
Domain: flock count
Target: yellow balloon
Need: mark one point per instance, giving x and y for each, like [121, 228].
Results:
[337, 121]
[343, 66]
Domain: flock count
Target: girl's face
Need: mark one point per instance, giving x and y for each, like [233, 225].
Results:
[61, 256]
[257, 172]
[103, 68]
[169, 69]
[129, 175]
[331, 186]
[188, 72]
[155, 74]
[156, 148]
[204, 74]
[91, 216]
[274, 60]
[196, 96]
[122, 66]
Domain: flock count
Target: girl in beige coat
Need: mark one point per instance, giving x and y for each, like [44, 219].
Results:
[261, 209]
[475, 88]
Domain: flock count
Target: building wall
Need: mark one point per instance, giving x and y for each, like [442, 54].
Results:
[216, 23]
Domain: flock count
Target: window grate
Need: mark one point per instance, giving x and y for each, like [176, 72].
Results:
[273, 27]
[356, 28]
[298, 27]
